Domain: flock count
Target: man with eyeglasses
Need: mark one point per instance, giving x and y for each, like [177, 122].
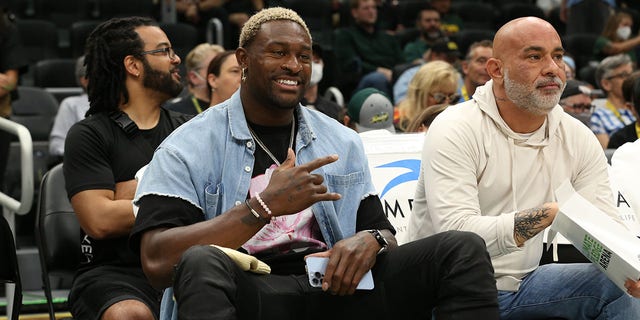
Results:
[576, 100]
[491, 165]
[611, 114]
[132, 70]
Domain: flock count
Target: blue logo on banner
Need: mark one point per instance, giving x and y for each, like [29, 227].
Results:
[412, 164]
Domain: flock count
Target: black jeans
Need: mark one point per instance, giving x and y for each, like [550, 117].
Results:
[448, 275]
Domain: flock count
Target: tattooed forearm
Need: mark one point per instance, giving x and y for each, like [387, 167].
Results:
[530, 222]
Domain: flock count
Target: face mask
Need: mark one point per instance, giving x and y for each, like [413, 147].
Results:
[624, 32]
[316, 73]
[199, 76]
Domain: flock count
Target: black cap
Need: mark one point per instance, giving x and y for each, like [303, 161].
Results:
[575, 87]
[448, 47]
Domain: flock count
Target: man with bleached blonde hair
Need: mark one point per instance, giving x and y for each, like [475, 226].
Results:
[283, 183]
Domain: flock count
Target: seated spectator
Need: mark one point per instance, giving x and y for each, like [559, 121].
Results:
[422, 122]
[450, 21]
[311, 98]
[474, 68]
[232, 13]
[491, 165]
[12, 63]
[72, 109]
[223, 77]
[586, 16]
[199, 12]
[611, 113]
[369, 109]
[367, 51]
[435, 82]
[281, 183]
[428, 23]
[124, 124]
[569, 66]
[631, 93]
[441, 51]
[197, 61]
[616, 38]
[576, 100]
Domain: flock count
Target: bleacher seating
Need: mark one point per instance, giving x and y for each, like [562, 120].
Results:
[78, 34]
[54, 73]
[476, 15]
[317, 16]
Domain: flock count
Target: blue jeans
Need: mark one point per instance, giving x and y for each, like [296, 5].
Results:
[570, 291]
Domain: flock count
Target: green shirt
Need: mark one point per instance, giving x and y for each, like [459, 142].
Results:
[415, 50]
[601, 43]
[359, 51]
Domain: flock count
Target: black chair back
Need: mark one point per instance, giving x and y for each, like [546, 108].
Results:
[57, 232]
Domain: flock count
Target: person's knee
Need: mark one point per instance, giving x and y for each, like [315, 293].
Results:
[465, 241]
[202, 259]
[128, 309]
[465, 238]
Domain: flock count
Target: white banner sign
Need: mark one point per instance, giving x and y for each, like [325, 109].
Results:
[394, 161]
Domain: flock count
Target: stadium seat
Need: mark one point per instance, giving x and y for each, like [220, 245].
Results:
[56, 73]
[36, 109]
[476, 15]
[580, 46]
[57, 233]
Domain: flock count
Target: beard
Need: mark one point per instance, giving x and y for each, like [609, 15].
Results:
[160, 81]
[531, 99]
[284, 102]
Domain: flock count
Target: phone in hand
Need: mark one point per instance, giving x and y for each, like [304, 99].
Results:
[316, 267]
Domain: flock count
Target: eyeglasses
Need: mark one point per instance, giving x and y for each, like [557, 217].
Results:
[440, 97]
[166, 50]
[579, 107]
[619, 75]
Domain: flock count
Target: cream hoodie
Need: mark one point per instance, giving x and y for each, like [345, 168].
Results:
[476, 173]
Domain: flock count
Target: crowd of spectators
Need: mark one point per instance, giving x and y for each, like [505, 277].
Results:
[398, 64]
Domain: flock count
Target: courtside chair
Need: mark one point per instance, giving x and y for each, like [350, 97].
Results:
[57, 233]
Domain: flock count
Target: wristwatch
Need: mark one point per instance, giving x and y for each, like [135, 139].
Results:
[384, 245]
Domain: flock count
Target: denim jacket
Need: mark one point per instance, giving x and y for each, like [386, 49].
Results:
[208, 162]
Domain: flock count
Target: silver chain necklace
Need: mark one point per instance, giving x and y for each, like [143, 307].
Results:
[264, 147]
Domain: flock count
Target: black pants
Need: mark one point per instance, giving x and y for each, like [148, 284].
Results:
[448, 275]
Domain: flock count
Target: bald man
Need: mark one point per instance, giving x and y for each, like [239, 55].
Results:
[476, 175]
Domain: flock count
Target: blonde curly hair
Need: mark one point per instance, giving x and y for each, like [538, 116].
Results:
[252, 26]
[431, 75]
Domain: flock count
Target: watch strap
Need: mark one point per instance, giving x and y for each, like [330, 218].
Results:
[382, 241]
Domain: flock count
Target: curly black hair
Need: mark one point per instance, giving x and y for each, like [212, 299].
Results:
[107, 46]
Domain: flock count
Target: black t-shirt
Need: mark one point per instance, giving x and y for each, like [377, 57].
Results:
[159, 211]
[188, 105]
[622, 136]
[98, 154]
